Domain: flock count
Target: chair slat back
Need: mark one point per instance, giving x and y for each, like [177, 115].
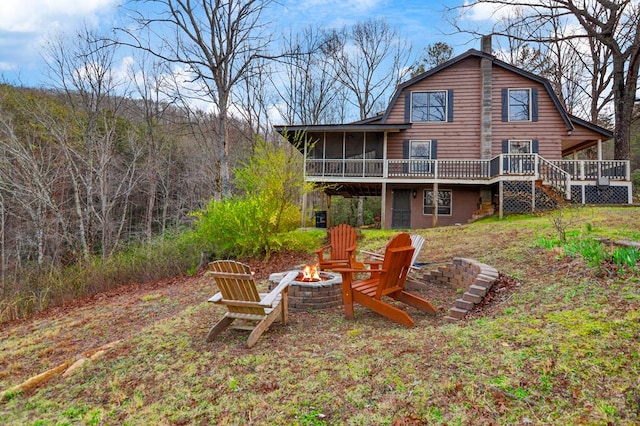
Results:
[400, 240]
[341, 237]
[396, 264]
[236, 283]
[416, 241]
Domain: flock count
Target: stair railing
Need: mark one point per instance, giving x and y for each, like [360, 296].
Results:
[555, 177]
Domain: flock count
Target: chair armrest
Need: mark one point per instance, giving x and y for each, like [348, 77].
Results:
[282, 285]
[358, 271]
[351, 270]
[320, 252]
[215, 298]
[323, 248]
[372, 254]
[376, 263]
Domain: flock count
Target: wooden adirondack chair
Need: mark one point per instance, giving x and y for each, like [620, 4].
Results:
[388, 281]
[239, 294]
[341, 249]
[417, 241]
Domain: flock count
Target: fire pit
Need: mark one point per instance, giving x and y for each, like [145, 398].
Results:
[312, 290]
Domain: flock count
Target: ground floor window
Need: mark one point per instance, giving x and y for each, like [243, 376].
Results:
[444, 202]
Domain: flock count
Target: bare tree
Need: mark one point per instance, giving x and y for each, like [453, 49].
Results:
[578, 71]
[306, 84]
[102, 167]
[154, 109]
[370, 59]
[614, 25]
[30, 175]
[219, 42]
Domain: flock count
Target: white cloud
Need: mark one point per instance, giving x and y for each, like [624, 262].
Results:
[34, 16]
[484, 12]
[25, 24]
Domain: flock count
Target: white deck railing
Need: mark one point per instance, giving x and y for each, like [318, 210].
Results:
[557, 172]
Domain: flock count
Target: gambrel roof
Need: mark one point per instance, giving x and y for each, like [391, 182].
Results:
[568, 120]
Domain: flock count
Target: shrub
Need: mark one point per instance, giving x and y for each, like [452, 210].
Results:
[244, 227]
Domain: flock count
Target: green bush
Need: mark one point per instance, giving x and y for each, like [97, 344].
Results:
[244, 227]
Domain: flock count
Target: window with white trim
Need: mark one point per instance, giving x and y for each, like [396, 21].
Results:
[420, 150]
[428, 106]
[520, 147]
[519, 104]
[444, 202]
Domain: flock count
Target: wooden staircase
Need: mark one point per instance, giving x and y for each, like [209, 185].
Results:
[555, 195]
[486, 209]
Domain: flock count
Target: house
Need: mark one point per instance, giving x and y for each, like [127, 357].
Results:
[471, 137]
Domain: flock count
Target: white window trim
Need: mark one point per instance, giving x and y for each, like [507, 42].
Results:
[529, 141]
[530, 118]
[446, 106]
[421, 168]
[424, 195]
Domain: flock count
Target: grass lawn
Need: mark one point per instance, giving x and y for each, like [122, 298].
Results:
[561, 347]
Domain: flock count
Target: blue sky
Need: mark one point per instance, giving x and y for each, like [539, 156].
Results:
[25, 24]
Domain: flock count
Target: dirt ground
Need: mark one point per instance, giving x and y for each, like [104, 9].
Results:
[91, 322]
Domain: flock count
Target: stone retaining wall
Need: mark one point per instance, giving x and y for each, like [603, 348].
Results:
[475, 278]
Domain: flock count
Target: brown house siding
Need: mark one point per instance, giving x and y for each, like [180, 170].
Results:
[545, 130]
[464, 202]
[459, 139]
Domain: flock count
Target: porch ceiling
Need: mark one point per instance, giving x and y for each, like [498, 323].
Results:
[355, 190]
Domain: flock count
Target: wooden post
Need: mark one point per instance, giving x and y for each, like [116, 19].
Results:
[383, 206]
[304, 210]
[533, 196]
[501, 199]
[434, 200]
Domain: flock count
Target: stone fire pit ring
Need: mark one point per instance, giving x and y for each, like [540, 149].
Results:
[306, 296]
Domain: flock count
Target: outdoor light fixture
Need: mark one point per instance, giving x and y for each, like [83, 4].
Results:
[414, 193]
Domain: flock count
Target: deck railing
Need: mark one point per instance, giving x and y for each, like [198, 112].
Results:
[552, 175]
[593, 170]
[364, 168]
[557, 172]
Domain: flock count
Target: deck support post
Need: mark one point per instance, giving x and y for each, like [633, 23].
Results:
[501, 199]
[533, 196]
[383, 207]
[434, 217]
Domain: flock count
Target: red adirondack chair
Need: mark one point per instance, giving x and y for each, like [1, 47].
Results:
[340, 252]
[387, 281]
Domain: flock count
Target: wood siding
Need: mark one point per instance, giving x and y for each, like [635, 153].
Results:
[459, 139]
[548, 130]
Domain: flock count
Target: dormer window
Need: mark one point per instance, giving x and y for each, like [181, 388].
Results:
[428, 106]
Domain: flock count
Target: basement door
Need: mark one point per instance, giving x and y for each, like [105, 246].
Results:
[401, 209]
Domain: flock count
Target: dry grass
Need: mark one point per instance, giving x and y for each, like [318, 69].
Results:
[560, 347]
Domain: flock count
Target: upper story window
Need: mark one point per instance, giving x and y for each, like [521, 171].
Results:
[429, 106]
[520, 105]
